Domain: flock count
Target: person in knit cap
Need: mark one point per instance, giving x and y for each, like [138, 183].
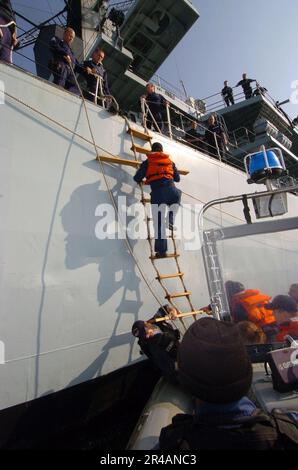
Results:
[213, 365]
[159, 341]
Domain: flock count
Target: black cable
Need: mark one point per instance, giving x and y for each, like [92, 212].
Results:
[246, 209]
[270, 205]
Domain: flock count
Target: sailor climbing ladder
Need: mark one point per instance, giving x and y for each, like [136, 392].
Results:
[161, 278]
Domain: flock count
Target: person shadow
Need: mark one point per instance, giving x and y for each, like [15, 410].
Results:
[116, 272]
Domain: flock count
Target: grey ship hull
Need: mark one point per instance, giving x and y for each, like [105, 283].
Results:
[68, 300]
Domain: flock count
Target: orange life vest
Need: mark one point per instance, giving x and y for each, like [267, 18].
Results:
[253, 301]
[159, 166]
[288, 328]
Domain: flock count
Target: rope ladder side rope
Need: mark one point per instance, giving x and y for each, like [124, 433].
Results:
[175, 255]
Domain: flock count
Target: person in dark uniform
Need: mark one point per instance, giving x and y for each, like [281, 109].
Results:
[215, 138]
[8, 34]
[193, 138]
[260, 90]
[159, 341]
[93, 67]
[246, 85]
[64, 62]
[227, 94]
[155, 104]
[160, 172]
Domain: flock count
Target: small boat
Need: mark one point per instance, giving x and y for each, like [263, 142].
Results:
[168, 400]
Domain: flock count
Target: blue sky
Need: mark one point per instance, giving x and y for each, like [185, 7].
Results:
[231, 37]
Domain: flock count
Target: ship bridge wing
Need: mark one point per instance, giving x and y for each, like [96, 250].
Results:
[152, 29]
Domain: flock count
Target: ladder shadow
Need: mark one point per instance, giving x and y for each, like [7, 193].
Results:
[82, 248]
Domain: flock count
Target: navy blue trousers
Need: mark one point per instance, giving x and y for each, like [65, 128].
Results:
[64, 78]
[165, 202]
[5, 43]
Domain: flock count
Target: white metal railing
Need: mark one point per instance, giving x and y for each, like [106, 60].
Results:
[99, 94]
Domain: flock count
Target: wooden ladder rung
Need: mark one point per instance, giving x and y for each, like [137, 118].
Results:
[134, 163]
[174, 296]
[195, 312]
[173, 255]
[119, 161]
[139, 134]
[183, 172]
[139, 149]
[170, 276]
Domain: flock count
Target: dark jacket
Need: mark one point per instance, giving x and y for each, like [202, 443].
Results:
[162, 349]
[245, 83]
[227, 91]
[6, 11]
[60, 49]
[92, 81]
[210, 137]
[229, 427]
[155, 102]
[164, 326]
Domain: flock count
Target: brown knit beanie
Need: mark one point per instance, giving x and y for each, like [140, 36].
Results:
[213, 363]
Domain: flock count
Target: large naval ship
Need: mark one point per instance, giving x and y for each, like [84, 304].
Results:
[69, 295]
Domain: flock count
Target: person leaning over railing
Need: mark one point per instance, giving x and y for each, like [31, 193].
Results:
[94, 68]
[260, 90]
[246, 86]
[64, 63]
[8, 35]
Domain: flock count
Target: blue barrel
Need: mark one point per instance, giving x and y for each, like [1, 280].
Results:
[258, 168]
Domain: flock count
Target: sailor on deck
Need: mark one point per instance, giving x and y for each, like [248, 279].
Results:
[215, 138]
[227, 94]
[160, 172]
[246, 85]
[155, 102]
[260, 90]
[8, 37]
[193, 138]
[93, 68]
[64, 62]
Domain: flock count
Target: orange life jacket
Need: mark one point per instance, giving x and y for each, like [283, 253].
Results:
[288, 328]
[159, 166]
[253, 301]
